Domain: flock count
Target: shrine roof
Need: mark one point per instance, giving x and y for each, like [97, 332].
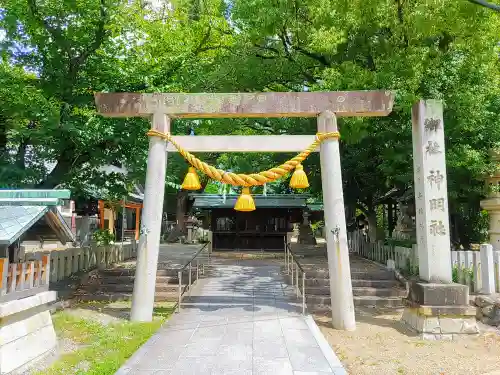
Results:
[21, 209]
[207, 201]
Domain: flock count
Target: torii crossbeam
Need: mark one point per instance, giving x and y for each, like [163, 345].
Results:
[326, 106]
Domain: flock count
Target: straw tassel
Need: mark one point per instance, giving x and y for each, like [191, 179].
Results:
[299, 178]
[191, 181]
[245, 202]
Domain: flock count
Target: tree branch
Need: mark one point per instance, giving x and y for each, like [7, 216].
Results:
[67, 161]
[203, 41]
[178, 64]
[315, 56]
[3, 136]
[99, 35]
[56, 34]
[266, 48]
[486, 4]
[21, 153]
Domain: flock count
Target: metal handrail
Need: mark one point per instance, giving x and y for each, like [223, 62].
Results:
[189, 265]
[290, 260]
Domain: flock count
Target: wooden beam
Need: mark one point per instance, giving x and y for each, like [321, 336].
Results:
[243, 143]
[266, 104]
[137, 217]
[100, 204]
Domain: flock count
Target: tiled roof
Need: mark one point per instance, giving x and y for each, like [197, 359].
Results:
[274, 201]
[21, 209]
[15, 220]
[30, 202]
[34, 194]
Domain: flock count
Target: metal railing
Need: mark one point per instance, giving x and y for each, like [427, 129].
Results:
[189, 267]
[293, 268]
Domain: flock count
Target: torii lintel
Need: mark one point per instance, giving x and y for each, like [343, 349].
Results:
[265, 104]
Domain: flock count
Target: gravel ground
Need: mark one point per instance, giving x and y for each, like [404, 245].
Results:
[63, 346]
[382, 345]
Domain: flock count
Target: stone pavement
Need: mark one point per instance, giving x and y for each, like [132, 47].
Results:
[240, 320]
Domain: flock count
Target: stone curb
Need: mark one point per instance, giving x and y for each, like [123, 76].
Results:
[331, 357]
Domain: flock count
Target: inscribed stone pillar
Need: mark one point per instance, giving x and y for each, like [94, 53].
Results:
[431, 192]
[336, 232]
[149, 241]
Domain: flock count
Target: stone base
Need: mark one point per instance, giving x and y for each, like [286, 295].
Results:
[431, 326]
[440, 311]
[26, 331]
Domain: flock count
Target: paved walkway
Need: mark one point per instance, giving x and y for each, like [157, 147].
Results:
[238, 321]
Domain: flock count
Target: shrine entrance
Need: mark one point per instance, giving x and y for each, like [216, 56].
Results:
[325, 106]
[264, 229]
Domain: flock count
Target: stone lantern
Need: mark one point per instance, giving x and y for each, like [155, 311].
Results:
[492, 202]
[405, 224]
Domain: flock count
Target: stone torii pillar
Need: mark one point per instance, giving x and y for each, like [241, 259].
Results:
[326, 106]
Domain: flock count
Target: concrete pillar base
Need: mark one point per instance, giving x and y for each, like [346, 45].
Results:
[26, 331]
[440, 311]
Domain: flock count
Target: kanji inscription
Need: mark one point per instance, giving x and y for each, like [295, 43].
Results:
[432, 148]
[437, 204]
[437, 228]
[435, 177]
[432, 124]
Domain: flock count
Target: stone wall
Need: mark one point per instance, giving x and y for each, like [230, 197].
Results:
[488, 309]
[26, 331]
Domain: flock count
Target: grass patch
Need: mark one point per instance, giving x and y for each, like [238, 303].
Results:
[102, 348]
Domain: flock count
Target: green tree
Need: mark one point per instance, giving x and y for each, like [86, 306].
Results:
[75, 49]
[419, 49]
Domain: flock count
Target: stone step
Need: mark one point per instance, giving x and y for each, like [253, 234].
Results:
[378, 292]
[371, 275]
[317, 282]
[355, 283]
[111, 297]
[128, 288]
[376, 283]
[374, 301]
[131, 272]
[159, 279]
[360, 291]
[379, 275]
[315, 301]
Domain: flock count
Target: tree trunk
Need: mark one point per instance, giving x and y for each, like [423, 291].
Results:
[390, 218]
[372, 226]
[182, 209]
[375, 233]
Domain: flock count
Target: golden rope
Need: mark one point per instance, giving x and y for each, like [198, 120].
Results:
[240, 179]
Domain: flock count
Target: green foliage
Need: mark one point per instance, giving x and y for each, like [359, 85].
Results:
[103, 237]
[454, 274]
[49, 118]
[102, 348]
[410, 269]
[51, 65]
[317, 227]
[462, 274]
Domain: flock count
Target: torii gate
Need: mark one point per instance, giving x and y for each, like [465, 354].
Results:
[326, 106]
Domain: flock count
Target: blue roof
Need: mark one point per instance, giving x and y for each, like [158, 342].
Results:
[15, 220]
[34, 194]
[21, 209]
